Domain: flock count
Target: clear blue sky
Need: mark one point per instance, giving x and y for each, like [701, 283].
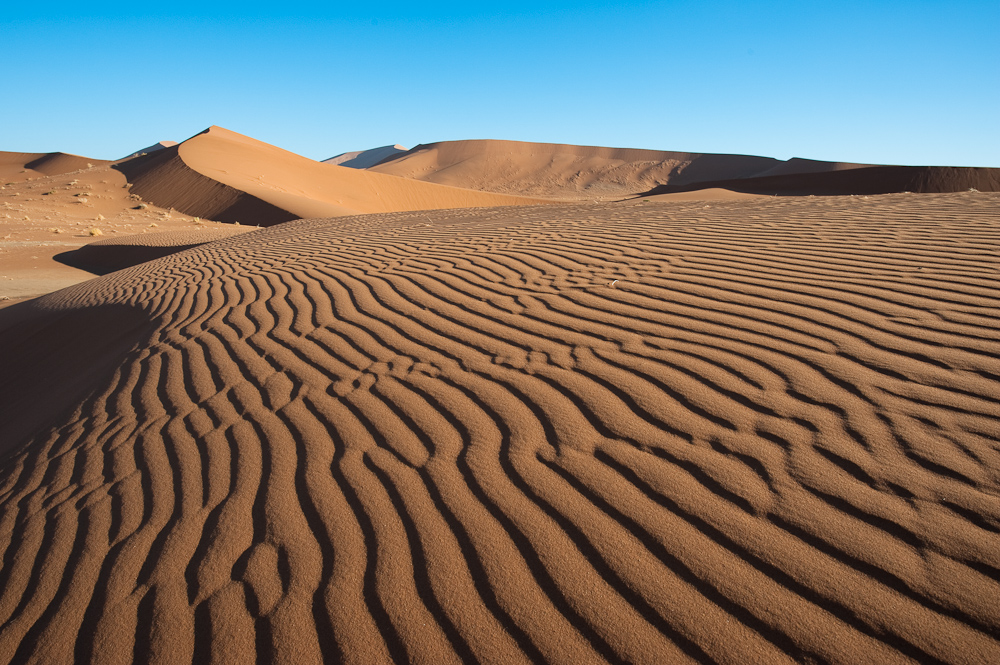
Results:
[911, 82]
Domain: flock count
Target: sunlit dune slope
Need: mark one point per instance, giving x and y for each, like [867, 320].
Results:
[761, 430]
[226, 176]
[572, 171]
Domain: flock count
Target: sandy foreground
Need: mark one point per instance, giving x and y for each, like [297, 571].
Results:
[746, 431]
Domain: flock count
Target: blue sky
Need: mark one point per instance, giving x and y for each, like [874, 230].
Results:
[881, 82]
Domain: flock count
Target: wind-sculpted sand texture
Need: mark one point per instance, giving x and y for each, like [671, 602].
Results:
[752, 431]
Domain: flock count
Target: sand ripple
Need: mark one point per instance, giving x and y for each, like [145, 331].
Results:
[751, 431]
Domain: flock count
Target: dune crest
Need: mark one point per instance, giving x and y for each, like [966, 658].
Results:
[756, 430]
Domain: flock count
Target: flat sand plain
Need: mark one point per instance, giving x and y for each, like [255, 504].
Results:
[747, 431]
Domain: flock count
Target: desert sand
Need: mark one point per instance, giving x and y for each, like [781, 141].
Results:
[758, 430]
[225, 176]
[159, 145]
[362, 159]
[845, 182]
[573, 172]
[54, 204]
[20, 166]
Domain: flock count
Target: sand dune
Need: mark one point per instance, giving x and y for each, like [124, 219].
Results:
[856, 180]
[21, 166]
[362, 159]
[745, 431]
[225, 176]
[572, 171]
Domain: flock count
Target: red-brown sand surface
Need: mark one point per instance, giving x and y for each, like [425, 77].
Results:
[574, 172]
[750, 431]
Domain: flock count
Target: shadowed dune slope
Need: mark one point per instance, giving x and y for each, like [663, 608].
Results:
[572, 171]
[160, 145]
[799, 165]
[225, 176]
[362, 159]
[751, 431]
[868, 180]
[19, 166]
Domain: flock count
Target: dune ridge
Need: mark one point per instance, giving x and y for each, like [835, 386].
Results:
[576, 172]
[752, 431]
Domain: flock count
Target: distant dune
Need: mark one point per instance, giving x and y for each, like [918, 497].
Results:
[225, 176]
[704, 424]
[152, 148]
[574, 172]
[869, 180]
[21, 166]
[762, 430]
[362, 159]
